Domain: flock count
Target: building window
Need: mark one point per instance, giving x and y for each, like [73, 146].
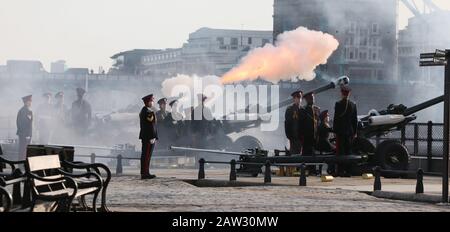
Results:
[234, 41]
[249, 40]
[352, 27]
[351, 56]
[220, 40]
[374, 28]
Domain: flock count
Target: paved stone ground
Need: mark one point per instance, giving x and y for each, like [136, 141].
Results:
[169, 192]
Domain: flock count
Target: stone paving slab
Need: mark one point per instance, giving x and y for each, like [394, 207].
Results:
[169, 192]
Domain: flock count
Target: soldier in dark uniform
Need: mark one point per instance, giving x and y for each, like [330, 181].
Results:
[148, 135]
[309, 122]
[44, 118]
[345, 126]
[24, 126]
[177, 120]
[325, 129]
[162, 113]
[292, 124]
[201, 117]
[164, 121]
[81, 113]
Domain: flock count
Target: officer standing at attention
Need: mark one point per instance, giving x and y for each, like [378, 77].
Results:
[292, 124]
[148, 135]
[345, 126]
[24, 126]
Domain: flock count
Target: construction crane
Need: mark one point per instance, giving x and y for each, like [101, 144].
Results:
[428, 4]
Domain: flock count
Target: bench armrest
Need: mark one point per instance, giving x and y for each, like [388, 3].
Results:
[11, 163]
[7, 196]
[88, 174]
[94, 166]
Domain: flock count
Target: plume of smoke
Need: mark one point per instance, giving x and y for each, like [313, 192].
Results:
[296, 54]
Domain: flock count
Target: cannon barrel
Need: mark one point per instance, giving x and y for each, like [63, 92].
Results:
[341, 81]
[424, 105]
[209, 151]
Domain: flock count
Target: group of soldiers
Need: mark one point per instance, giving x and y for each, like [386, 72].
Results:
[164, 126]
[52, 119]
[308, 129]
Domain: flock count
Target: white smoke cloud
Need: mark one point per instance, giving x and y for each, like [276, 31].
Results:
[296, 54]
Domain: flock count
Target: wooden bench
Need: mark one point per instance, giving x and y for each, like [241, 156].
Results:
[16, 178]
[66, 155]
[50, 183]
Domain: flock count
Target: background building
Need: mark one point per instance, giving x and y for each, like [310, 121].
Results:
[207, 52]
[215, 51]
[166, 62]
[130, 62]
[425, 33]
[365, 29]
[58, 66]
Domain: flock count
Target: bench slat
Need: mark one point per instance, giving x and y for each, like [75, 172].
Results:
[41, 183]
[45, 162]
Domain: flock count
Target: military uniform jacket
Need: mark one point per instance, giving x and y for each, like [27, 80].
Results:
[292, 122]
[345, 118]
[24, 122]
[309, 117]
[147, 120]
[81, 113]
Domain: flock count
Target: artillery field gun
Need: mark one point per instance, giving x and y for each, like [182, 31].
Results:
[389, 155]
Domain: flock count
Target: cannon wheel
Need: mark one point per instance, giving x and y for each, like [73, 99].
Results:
[392, 155]
[247, 142]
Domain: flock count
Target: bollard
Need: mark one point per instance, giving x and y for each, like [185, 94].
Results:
[233, 170]
[119, 168]
[302, 181]
[377, 182]
[92, 158]
[419, 185]
[267, 173]
[201, 169]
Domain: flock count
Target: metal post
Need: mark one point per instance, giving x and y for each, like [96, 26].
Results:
[446, 130]
[233, 170]
[201, 169]
[267, 173]
[403, 135]
[92, 158]
[419, 184]
[119, 168]
[430, 146]
[377, 182]
[302, 181]
[416, 139]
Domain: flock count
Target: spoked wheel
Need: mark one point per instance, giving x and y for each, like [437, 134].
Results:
[392, 155]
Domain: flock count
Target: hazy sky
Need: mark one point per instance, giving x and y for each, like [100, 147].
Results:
[86, 33]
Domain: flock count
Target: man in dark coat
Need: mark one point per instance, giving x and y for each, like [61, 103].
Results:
[345, 125]
[292, 124]
[309, 119]
[81, 113]
[165, 123]
[148, 135]
[45, 119]
[24, 126]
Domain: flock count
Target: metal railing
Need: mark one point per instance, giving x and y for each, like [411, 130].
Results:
[267, 169]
